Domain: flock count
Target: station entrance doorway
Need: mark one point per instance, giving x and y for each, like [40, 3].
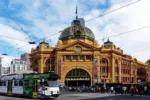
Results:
[77, 77]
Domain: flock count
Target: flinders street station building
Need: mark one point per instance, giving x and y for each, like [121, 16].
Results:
[79, 60]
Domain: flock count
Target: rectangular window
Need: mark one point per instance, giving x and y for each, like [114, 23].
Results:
[0, 83]
[106, 69]
[26, 83]
[103, 69]
[116, 70]
[75, 57]
[13, 68]
[88, 57]
[21, 62]
[20, 83]
[81, 57]
[18, 68]
[68, 57]
[4, 83]
[116, 78]
[123, 71]
[16, 82]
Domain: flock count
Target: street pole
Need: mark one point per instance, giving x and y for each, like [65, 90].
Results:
[50, 65]
[1, 66]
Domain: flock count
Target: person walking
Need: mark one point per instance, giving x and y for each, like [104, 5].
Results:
[124, 89]
[112, 89]
[145, 90]
[132, 90]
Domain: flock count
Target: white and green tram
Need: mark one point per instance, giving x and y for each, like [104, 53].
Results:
[34, 85]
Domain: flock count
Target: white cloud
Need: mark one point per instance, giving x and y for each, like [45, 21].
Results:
[10, 32]
[6, 60]
[51, 16]
[123, 20]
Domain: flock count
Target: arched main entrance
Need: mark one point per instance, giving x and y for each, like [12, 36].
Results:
[77, 77]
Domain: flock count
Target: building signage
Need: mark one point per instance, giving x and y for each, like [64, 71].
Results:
[59, 67]
[95, 68]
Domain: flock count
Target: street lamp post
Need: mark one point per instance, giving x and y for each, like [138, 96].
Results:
[50, 65]
[1, 66]
[104, 82]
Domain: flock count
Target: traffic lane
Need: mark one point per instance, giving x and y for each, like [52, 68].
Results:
[79, 96]
[20, 98]
[120, 97]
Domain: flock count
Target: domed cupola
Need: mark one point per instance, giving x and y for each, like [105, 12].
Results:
[108, 43]
[43, 44]
[77, 30]
[148, 61]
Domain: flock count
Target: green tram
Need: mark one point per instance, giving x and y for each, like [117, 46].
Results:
[33, 85]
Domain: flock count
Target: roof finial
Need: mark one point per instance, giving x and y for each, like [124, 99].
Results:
[43, 39]
[76, 11]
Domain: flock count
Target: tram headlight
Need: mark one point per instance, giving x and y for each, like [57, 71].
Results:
[45, 88]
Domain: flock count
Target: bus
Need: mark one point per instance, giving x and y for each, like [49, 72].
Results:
[33, 85]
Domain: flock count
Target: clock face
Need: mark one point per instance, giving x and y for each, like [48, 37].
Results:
[78, 49]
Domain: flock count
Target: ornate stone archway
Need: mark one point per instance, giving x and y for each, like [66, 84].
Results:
[77, 77]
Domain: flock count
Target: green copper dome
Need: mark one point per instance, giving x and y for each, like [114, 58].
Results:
[44, 44]
[76, 31]
[148, 61]
[108, 43]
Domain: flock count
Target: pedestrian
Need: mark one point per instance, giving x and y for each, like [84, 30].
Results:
[132, 90]
[124, 89]
[145, 90]
[112, 89]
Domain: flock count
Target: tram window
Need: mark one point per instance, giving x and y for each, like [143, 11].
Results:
[26, 83]
[15, 82]
[46, 83]
[0, 83]
[20, 83]
[4, 83]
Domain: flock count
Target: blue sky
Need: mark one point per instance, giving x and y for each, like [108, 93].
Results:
[41, 18]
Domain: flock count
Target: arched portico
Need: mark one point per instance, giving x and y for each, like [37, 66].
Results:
[77, 77]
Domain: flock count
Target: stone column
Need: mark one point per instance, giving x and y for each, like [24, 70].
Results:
[113, 69]
[0, 66]
[131, 72]
[41, 67]
[119, 64]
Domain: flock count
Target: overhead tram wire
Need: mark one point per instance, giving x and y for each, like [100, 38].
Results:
[13, 38]
[91, 19]
[105, 13]
[29, 44]
[32, 42]
[126, 32]
[98, 16]
[113, 10]
[105, 37]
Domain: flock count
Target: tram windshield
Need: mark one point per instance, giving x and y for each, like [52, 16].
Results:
[50, 83]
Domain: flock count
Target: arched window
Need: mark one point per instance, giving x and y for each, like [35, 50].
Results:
[49, 65]
[116, 66]
[77, 33]
[104, 65]
[104, 60]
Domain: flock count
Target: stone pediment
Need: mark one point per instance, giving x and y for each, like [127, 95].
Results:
[81, 45]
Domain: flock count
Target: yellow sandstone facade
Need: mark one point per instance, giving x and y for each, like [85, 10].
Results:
[80, 60]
